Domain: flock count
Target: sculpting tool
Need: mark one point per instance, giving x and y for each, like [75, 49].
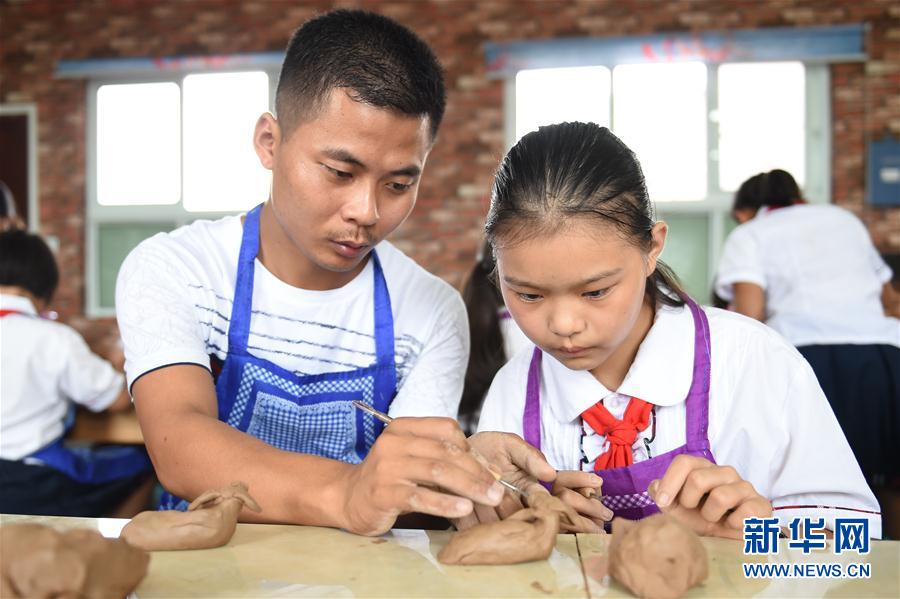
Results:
[387, 420]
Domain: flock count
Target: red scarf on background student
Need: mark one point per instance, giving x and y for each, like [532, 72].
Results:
[620, 434]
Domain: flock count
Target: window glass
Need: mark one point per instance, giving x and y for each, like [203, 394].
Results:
[659, 111]
[548, 96]
[221, 169]
[762, 125]
[138, 144]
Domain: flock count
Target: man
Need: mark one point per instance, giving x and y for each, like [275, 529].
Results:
[301, 307]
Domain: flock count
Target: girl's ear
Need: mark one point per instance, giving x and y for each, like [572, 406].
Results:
[266, 139]
[658, 241]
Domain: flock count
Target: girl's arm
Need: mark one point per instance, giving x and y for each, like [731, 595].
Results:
[750, 300]
[890, 299]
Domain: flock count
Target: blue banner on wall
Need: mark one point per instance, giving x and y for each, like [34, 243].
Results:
[130, 67]
[844, 43]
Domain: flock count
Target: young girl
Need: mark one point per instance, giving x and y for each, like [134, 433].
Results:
[701, 413]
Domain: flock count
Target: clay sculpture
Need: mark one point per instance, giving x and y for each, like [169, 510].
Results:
[209, 521]
[657, 557]
[542, 500]
[527, 535]
[38, 561]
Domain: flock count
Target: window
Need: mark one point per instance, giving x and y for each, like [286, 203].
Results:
[659, 111]
[222, 172]
[138, 126]
[699, 131]
[547, 96]
[760, 103]
[163, 153]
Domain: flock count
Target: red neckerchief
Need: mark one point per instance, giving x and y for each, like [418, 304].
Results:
[620, 434]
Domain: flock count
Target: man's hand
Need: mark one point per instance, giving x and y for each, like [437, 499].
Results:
[416, 465]
[712, 500]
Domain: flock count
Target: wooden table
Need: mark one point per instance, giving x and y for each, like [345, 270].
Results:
[301, 561]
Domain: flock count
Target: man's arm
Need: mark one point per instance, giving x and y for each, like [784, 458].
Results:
[193, 451]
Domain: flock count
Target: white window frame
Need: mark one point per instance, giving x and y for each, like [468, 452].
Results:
[717, 204]
[97, 214]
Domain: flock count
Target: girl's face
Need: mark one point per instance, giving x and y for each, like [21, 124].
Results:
[578, 293]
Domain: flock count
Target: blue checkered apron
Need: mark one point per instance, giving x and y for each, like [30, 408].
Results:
[305, 414]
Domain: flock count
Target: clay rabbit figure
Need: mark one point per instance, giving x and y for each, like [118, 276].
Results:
[209, 522]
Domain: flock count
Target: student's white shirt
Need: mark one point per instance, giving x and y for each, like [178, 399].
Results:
[45, 365]
[768, 417]
[174, 298]
[822, 275]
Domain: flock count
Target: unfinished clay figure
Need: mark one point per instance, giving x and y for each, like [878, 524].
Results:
[209, 522]
[542, 500]
[38, 561]
[527, 535]
[657, 557]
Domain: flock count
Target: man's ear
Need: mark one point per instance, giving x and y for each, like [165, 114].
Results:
[658, 236]
[266, 139]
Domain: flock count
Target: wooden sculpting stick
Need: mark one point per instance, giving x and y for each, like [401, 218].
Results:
[387, 420]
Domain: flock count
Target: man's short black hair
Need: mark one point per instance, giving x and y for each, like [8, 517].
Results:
[27, 262]
[377, 60]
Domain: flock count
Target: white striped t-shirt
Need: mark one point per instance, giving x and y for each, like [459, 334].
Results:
[174, 297]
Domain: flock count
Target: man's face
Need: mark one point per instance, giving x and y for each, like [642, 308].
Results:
[342, 181]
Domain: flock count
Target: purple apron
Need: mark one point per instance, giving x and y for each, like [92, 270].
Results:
[625, 489]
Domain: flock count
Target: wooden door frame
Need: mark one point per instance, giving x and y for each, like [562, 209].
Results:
[30, 111]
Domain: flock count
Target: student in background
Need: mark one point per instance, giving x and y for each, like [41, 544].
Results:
[494, 335]
[46, 369]
[749, 198]
[812, 273]
[747, 202]
[670, 404]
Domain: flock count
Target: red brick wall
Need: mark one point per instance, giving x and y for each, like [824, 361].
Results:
[444, 230]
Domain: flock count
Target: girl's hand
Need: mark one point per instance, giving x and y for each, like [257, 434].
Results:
[581, 491]
[513, 457]
[712, 500]
[517, 462]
